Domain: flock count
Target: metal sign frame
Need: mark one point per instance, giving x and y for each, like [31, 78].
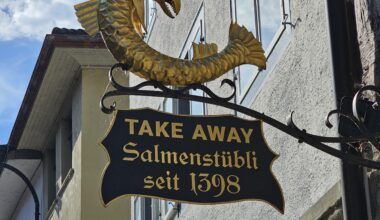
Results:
[316, 141]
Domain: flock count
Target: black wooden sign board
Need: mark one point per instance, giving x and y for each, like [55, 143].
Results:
[193, 159]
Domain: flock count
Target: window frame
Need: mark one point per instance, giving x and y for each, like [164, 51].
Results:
[137, 200]
[149, 23]
[242, 93]
[145, 208]
[197, 27]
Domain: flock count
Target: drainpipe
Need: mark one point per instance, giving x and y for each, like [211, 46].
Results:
[344, 59]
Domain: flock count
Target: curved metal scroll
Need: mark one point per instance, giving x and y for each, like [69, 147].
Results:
[357, 96]
[290, 128]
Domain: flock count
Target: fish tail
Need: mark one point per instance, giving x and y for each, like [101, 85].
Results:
[87, 13]
[252, 49]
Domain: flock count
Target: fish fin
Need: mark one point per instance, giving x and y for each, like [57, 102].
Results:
[140, 10]
[87, 13]
[203, 50]
[139, 27]
[253, 53]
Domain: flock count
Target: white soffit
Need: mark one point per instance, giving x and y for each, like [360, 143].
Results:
[60, 77]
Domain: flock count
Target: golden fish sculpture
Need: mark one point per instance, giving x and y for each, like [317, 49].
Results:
[121, 24]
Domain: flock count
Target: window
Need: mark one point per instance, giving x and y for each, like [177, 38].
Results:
[196, 35]
[244, 11]
[264, 19]
[150, 15]
[168, 105]
[138, 210]
[152, 209]
[166, 209]
[143, 208]
[197, 108]
[63, 150]
[64, 144]
[50, 190]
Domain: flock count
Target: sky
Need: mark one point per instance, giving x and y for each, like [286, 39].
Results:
[23, 26]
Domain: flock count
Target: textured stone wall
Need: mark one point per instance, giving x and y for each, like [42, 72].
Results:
[368, 29]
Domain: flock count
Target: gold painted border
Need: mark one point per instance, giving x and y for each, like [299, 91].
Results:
[271, 165]
[114, 116]
[195, 203]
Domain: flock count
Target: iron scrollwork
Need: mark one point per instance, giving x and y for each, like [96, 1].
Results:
[165, 91]
[290, 128]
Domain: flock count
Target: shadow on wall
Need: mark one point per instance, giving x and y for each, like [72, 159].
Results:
[368, 26]
[373, 10]
[374, 19]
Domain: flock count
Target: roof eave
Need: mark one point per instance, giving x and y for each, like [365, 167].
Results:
[60, 38]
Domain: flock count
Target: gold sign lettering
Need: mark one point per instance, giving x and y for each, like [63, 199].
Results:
[185, 158]
[216, 133]
[177, 130]
[225, 159]
[132, 123]
[203, 183]
[145, 129]
[160, 129]
[233, 135]
[169, 182]
[247, 135]
[199, 133]
[128, 151]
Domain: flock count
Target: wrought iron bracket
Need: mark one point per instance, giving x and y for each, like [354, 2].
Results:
[157, 89]
[28, 184]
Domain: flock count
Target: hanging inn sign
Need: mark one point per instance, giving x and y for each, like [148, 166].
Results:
[202, 160]
[214, 159]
